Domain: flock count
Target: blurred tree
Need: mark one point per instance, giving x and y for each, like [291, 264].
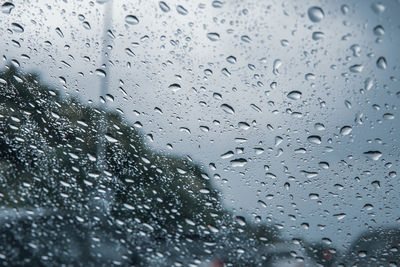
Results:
[139, 207]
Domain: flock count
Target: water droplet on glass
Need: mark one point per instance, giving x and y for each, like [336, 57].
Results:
[294, 95]
[17, 27]
[345, 130]
[238, 162]
[378, 8]
[324, 165]
[217, 4]
[314, 139]
[388, 116]
[164, 7]
[368, 84]
[318, 36]
[174, 87]
[226, 72]
[245, 39]
[319, 126]
[7, 7]
[231, 59]
[181, 10]
[357, 68]
[59, 32]
[101, 73]
[309, 76]
[381, 63]
[374, 155]
[345, 9]
[131, 19]
[244, 125]
[379, 30]
[316, 14]
[276, 66]
[213, 36]
[228, 109]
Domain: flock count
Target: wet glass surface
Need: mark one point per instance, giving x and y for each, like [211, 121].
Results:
[211, 133]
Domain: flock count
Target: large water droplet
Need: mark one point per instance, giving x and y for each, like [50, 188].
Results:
[345, 130]
[101, 73]
[228, 109]
[7, 7]
[174, 87]
[181, 10]
[164, 7]
[316, 14]
[314, 139]
[238, 162]
[131, 19]
[374, 155]
[17, 27]
[294, 95]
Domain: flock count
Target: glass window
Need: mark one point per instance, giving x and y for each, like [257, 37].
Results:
[199, 133]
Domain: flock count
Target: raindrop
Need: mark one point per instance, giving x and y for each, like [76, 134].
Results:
[217, 4]
[374, 155]
[379, 30]
[213, 36]
[324, 165]
[381, 63]
[340, 216]
[388, 116]
[59, 32]
[276, 65]
[294, 95]
[228, 109]
[164, 7]
[7, 7]
[174, 87]
[345, 130]
[86, 25]
[231, 59]
[245, 39]
[17, 27]
[262, 203]
[181, 10]
[319, 126]
[314, 139]
[131, 19]
[368, 84]
[225, 72]
[316, 14]
[310, 76]
[345, 9]
[101, 73]
[368, 207]
[347, 103]
[238, 162]
[378, 8]
[244, 125]
[357, 68]
[318, 36]
[227, 155]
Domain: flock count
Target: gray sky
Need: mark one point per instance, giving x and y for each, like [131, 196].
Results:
[165, 48]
